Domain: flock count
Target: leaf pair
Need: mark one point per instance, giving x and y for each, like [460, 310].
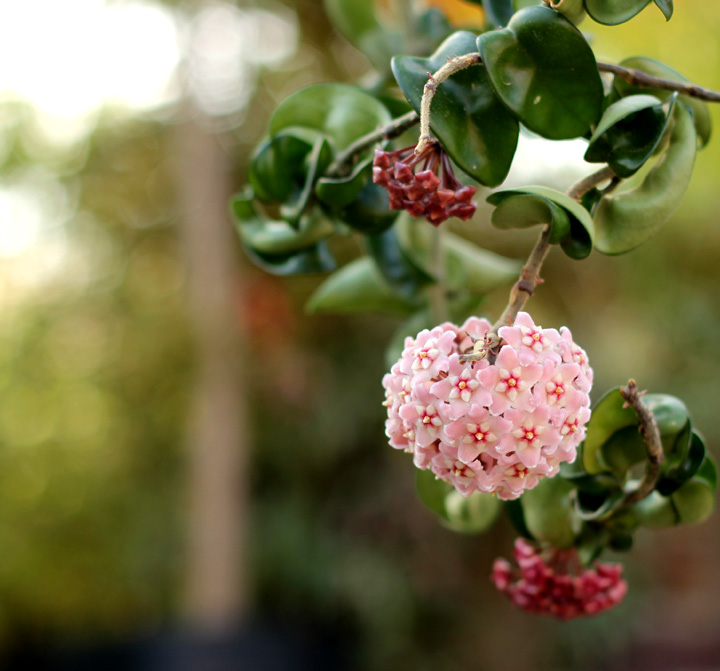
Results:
[614, 12]
[538, 71]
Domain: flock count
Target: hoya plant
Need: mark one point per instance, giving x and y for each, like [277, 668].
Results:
[494, 410]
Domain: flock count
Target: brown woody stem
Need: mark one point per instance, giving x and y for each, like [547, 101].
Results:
[640, 78]
[651, 434]
[434, 80]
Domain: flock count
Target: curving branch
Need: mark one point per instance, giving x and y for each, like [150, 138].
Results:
[640, 78]
[651, 434]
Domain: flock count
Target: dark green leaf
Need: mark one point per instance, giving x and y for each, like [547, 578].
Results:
[694, 501]
[340, 112]
[629, 133]
[468, 267]
[596, 506]
[548, 512]
[679, 467]
[404, 276]
[370, 212]
[571, 224]
[277, 171]
[314, 259]
[357, 287]
[338, 192]
[316, 162]
[666, 7]
[471, 123]
[608, 416]
[701, 113]
[613, 12]
[625, 220]
[276, 237]
[544, 71]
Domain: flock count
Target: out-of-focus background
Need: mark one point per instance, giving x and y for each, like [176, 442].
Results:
[189, 462]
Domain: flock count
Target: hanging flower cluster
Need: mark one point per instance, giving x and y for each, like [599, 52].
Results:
[489, 427]
[556, 584]
[423, 193]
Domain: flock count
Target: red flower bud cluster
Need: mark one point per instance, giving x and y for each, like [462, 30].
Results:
[557, 585]
[423, 193]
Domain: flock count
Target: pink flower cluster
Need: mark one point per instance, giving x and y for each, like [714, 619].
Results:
[423, 193]
[557, 585]
[487, 426]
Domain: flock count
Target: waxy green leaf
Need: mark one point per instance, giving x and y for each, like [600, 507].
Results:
[358, 287]
[614, 12]
[571, 224]
[701, 113]
[339, 112]
[666, 7]
[473, 126]
[625, 220]
[405, 276]
[608, 416]
[548, 512]
[542, 68]
[629, 133]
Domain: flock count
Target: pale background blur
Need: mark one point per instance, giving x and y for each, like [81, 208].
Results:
[183, 450]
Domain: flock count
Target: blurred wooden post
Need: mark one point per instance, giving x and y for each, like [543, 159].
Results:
[215, 582]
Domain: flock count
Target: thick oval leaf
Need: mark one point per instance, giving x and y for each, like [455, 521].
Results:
[613, 12]
[626, 220]
[682, 463]
[694, 501]
[523, 211]
[317, 160]
[670, 413]
[543, 69]
[471, 123]
[403, 274]
[701, 113]
[339, 192]
[340, 112]
[468, 268]
[623, 450]
[472, 514]
[574, 231]
[370, 212]
[276, 237]
[277, 170]
[314, 259]
[629, 133]
[608, 416]
[548, 512]
[590, 507]
[358, 287]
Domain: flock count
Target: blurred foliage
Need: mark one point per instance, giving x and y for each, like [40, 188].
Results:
[97, 371]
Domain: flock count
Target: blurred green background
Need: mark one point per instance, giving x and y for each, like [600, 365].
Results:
[141, 356]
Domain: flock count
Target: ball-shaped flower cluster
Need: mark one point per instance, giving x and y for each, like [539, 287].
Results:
[553, 582]
[493, 424]
[425, 193]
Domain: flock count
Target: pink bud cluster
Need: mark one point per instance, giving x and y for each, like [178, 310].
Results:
[423, 193]
[556, 585]
[487, 426]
